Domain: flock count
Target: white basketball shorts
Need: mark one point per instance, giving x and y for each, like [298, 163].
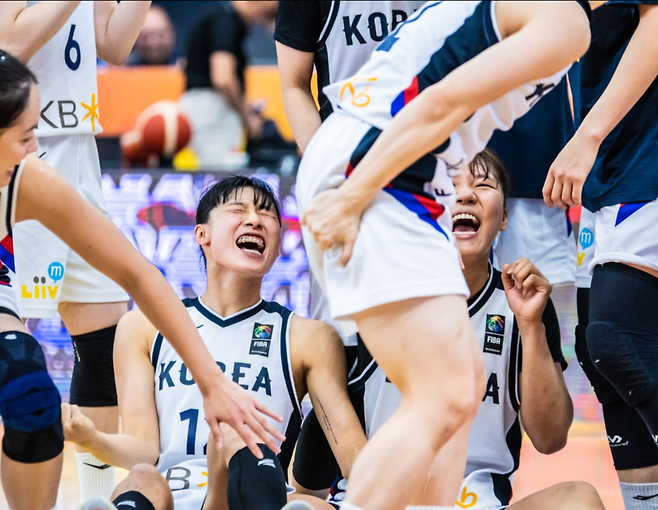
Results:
[624, 233]
[404, 248]
[47, 270]
[542, 235]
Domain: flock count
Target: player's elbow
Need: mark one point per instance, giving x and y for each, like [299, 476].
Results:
[114, 56]
[548, 444]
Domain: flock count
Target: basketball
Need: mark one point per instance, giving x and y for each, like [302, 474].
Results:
[160, 131]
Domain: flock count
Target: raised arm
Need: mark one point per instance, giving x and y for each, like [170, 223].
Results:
[295, 72]
[546, 409]
[117, 26]
[546, 37]
[140, 440]
[637, 69]
[45, 196]
[319, 352]
[25, 30]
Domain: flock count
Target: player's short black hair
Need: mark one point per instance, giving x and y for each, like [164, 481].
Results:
[15, 83]
[485, 163]
[224, 189]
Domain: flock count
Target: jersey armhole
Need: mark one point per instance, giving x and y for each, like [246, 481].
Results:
[494, 21]
[329, 24]
[515, 363]
[12, 191]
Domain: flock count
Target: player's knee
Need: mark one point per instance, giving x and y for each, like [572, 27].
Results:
[615, 354]
[605, 392]
[92, 382]
[148, 481]
[29, 401]
[578, 495]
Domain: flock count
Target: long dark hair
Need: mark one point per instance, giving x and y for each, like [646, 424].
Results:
[15, 83]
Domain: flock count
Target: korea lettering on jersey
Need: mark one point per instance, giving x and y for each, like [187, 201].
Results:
[252, 349]
[420, 52]
[354, 29]
[66, 70]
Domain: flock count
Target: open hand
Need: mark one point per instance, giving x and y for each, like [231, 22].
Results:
[526, 289]
[333, 221]
[231, 404]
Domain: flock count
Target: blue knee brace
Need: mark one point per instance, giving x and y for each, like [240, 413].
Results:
[29, 401]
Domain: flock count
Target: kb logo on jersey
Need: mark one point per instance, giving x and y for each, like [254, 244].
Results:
[494, 333]
[260, 339]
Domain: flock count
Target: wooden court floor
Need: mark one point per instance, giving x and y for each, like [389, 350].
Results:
[586, 458]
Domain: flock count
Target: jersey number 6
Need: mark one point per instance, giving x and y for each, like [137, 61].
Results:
[72, 45]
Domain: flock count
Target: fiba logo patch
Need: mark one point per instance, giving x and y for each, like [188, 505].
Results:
[260, 339]
[494, 333]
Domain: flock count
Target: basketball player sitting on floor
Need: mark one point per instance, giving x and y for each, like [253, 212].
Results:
[264, 347]
[517, 326]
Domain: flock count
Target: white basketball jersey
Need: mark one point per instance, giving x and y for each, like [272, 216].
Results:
[438, 38]
[66, 71]
[252, 348]
[354, 29]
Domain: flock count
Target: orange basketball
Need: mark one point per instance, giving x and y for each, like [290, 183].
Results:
[160, 130]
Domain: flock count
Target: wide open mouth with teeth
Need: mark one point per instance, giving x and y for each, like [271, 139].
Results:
[464, 224]
[251, 244]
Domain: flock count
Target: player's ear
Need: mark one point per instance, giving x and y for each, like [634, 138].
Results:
[503, 224]
[201, 235]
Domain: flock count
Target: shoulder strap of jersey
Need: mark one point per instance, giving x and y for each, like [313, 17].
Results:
[515, 361]
[329, 12]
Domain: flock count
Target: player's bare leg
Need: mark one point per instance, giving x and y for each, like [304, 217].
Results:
[217, 496]
[443, 479]
[146, 480]
[31, 486]
[563, 496]
[427, 348]
[96, 478]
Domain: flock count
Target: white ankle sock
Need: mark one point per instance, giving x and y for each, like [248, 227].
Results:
[96, 477]
[639, 496]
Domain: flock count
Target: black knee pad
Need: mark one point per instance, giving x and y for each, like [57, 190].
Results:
[622, 337]
[29, 401]
[616, 356]
[92, 382]
[630, 441]
[605, 392]
[254, 483]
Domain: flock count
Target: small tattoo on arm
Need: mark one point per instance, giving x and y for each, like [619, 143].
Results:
[325, 419]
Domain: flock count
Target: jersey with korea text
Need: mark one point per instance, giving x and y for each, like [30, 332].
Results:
[252, 348]
[437, 39]
[342, 35]
[66, 70]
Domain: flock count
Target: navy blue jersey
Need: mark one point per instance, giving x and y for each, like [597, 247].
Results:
[530, 147]
[625, 169]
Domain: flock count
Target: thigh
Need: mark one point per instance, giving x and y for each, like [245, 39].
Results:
[415, 354]
[563, 496]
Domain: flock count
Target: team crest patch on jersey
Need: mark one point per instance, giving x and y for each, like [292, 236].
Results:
[260, 339]
[494, 333]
